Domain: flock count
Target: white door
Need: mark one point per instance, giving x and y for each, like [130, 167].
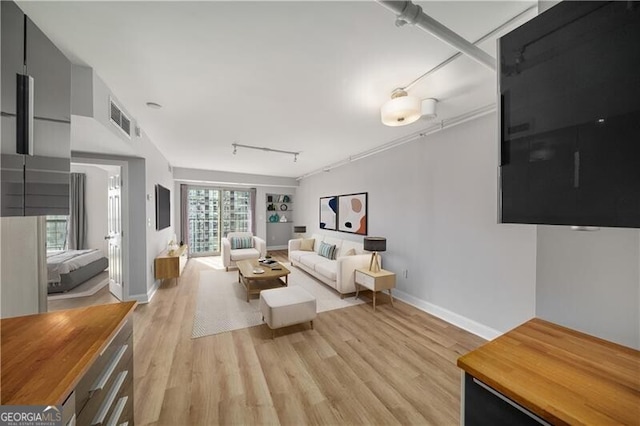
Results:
[114, 219]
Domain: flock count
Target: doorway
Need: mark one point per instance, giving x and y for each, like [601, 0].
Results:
[103, 229]
[211, 213]
[114, 231]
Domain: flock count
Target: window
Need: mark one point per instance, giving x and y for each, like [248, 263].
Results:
[57, 232]
[211, 214]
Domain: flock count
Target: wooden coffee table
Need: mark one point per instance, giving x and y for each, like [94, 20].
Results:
[254, 283]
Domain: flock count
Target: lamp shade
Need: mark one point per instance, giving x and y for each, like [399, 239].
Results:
[401, 110]
[375, 243]
[300, 229]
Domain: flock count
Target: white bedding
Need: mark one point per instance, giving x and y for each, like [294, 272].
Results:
[63, 262]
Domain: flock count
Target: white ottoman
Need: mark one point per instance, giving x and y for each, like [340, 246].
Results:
[287, 306]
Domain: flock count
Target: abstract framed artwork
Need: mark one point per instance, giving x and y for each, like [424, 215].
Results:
[352, 213]
[328, 213]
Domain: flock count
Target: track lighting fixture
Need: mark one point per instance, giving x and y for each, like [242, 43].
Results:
[260, 148]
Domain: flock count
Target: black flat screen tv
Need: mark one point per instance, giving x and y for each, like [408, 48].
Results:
[163, 207]
[569, 88]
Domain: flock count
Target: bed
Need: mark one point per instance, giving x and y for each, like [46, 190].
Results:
[70, 268]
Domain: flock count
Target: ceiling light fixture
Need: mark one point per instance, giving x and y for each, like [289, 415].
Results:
[154, 105]
[392, 112]
[260, 148]
[404, 109]
[401, 109]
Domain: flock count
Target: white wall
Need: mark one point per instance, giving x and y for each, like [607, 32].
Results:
[96, 202]
[590, 281]
[158, 171]
[435, 200]
[93, 135]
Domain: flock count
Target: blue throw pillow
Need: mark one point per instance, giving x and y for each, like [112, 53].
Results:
[241, 242]
[327, 250]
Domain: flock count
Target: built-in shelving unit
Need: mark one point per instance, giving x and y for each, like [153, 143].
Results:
[279, 217]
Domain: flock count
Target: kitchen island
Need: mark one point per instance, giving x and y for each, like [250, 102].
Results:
[80, 359]
[543, 373]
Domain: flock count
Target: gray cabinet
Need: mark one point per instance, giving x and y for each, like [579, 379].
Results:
[36, 119]
[104, 395]
[51, 71]
[12, 44]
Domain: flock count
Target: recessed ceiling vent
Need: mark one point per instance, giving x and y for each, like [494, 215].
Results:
[120, 119]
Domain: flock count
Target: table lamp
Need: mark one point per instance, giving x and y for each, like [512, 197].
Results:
[300, 230]
[375, 244]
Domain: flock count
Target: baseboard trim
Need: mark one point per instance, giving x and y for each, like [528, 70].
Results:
[458, 320]
[277, 248]
[146, 298]
[152, 291]
[140, 298]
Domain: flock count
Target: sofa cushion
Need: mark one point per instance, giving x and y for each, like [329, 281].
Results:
[328, 269]
[241, 242]
[296, 255]
[347, 245]
[318, 239]
[307, 244]
[336, 242]
[350, 252]
[327, 250]
[246, 253]
[312, 260]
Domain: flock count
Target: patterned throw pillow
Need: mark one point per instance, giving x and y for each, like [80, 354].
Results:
[241, 242]
[327, 250]
[350, 252]
[307, 244]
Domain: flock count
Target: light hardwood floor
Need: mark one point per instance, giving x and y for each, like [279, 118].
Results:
[394, 366]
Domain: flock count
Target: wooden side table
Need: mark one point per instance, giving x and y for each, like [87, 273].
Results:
[170, 264]
[375, 281]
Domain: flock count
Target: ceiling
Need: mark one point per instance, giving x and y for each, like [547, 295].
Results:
[293, 75]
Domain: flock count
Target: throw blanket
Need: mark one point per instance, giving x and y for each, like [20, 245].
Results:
[63, 262]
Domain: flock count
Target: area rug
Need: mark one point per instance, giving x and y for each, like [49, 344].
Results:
[222, 301]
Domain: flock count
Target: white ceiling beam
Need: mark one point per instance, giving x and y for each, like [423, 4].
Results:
[409, 13]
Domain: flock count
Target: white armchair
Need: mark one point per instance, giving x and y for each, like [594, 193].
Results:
[231, 256]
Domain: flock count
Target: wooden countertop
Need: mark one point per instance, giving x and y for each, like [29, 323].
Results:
[45, 355]
[562, 375]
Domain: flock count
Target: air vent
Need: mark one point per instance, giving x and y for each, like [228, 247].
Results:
[120, 119]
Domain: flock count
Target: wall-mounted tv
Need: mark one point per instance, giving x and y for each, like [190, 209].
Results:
[569, 91]
[163, 207]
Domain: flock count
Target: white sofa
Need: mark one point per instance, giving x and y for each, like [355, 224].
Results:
[338, 273]
[231, 256]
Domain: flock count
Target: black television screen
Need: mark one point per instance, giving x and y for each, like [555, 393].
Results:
[569, 91]
[163, 207]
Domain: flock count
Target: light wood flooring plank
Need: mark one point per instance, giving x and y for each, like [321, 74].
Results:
[394, 366]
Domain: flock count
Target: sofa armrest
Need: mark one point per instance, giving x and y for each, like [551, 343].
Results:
[345, 274]
[260, 245]
[295, 244]
[225, 251]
